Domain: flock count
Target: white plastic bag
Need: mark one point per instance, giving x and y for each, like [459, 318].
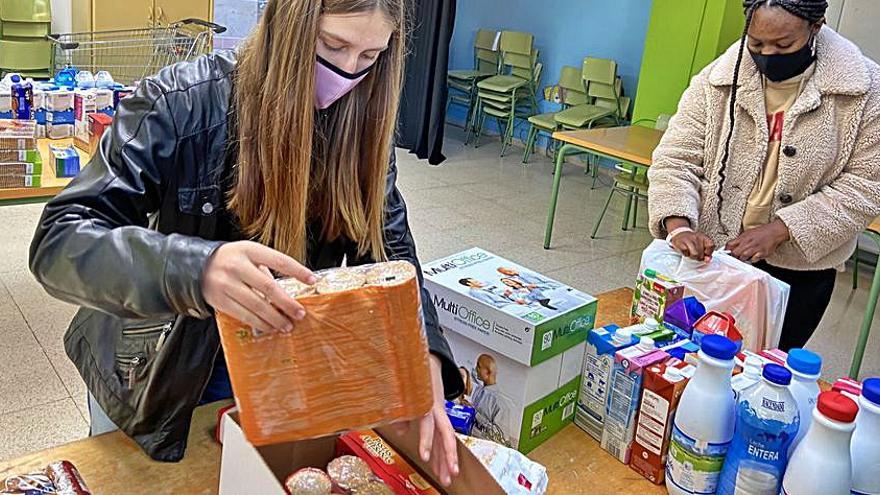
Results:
[753, 297]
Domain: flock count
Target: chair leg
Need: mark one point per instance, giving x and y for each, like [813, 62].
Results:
[595, 171]
[530, 144]
[479, 129]
[635, 214]
[856, 257]
[507, 137]
[868, 318]
[628, 209]
[602, 215]
[474, 120]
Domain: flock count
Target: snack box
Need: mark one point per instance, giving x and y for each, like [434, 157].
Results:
[247, 469]
[18, 134]
[653, 294]
[385, 462]
[359, 359]
[509, 309]
[9, 181]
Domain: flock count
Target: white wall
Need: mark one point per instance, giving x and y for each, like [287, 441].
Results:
[61, 16]
[858, 22]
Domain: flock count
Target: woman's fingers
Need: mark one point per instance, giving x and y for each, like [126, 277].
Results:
[244, 315]
[426, 437]
[281, 263]
[249, 299]
[266, 285]
[447, 439]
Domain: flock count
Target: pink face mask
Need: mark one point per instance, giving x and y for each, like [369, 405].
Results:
[332, 83]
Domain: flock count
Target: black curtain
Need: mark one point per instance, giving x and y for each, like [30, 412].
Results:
[423, 105]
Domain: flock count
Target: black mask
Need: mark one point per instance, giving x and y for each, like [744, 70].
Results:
[779, 68]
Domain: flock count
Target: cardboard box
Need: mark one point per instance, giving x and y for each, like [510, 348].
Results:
[59, 131]
[516, 405]
[660, 397]
[624, 399]
[245, 469]
[653, 294]
[385, 462]
[8, 181]
[66, 161]
[84, 103]
[60, 117]
[511, 310]
[596, 379]
[59, 100]
[22, 168]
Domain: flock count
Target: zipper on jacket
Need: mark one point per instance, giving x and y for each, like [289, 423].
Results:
[149, 329]
[130, 365]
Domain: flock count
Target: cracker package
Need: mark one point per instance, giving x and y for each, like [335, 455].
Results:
[358, 360]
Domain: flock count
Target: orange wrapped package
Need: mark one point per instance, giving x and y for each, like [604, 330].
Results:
[358, 360]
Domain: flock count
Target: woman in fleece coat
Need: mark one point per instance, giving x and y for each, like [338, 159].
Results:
[784, 172]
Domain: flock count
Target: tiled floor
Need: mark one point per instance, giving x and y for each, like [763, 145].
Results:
[474, 199]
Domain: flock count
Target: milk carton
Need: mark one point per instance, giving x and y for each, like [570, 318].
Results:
[664, 384]
[625, 396]
[515, 312]
[59, 131]
[104, 102]
[59, 100]
[84, 103]
[6, 106]
[653, 294]
[516, 405]
[602, 345]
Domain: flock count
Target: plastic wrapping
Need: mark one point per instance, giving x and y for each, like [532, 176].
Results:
[59, 478]
[358, 360]
[309, 481]
[514, 472]
[755, 299]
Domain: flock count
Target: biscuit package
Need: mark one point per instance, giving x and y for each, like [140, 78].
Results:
[358, 360]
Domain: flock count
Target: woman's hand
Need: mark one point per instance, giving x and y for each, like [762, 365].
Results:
[237, 281]
[437, 443]
[690, 244]
[759, 243]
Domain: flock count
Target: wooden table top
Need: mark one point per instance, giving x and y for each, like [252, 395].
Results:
[113, 464]
[633, 144]
[50, 185]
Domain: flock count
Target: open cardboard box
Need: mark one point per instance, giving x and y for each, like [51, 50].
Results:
[246, 469]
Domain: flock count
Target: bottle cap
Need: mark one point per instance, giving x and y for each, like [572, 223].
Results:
[646, 343]
[673, 374]
[753, 363]
[650, 273]
[777, 374]
[718, 347]
[871, 390]
[623, 336]
[836, 406]
[652, 325]
[15, 78]
[804, 361]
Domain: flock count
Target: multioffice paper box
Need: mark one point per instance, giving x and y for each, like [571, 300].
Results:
[507, 308]
[516, 405]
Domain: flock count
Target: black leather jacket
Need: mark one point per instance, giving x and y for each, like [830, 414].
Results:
[128, 241]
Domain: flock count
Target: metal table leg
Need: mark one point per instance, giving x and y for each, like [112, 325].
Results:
[554, 196]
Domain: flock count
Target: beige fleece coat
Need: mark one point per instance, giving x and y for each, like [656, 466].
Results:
[829, 168]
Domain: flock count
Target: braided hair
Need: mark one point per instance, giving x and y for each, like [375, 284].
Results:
[811, 11]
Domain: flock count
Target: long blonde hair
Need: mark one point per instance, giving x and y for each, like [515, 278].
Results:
[290, 170]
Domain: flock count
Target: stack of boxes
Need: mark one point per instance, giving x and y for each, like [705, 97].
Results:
[20, 161]
[520, 338]
[57, 110]
[87, 105]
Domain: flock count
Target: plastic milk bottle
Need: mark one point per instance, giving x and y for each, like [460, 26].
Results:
[821, 464]
[704, 424]
[806, 367]
[866, 441]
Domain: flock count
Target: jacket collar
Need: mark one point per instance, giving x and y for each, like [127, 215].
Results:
[840, 67]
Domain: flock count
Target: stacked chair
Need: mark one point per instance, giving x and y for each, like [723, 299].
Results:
[605, 100]
[572, 93]
[24, 25]
[511, 94]
[463, 83]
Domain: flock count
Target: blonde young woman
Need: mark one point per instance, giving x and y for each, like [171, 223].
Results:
[274, 157]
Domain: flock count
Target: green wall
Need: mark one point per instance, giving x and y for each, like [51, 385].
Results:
[683, 37]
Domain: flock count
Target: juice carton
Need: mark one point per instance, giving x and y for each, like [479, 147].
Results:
[682, 315]
[625, 395]
[602, 345]
[66, 161]
[654, 293]
[715, 323]
[681, 349]
[664, 384]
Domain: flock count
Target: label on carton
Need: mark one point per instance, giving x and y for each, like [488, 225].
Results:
[695, 466]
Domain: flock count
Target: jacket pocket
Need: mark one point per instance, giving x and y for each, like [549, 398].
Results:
[136, 349]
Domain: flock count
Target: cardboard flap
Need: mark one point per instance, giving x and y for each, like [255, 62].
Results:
[473, 477]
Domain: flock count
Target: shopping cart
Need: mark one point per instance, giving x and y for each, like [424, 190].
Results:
[132, 54]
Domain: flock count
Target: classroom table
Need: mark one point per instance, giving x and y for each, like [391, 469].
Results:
[50, 185]
[629, 144]
[113, 464]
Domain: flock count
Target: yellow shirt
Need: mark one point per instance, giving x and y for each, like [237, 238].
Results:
[778, 98]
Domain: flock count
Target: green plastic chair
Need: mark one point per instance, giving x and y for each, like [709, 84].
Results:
[601, 82]
[31, 58]
[571, 93]
[506, 108]
[25, 18]
[511, 90]
[462, 83]
[631, 182]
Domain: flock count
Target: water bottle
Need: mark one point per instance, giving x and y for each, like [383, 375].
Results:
[821, 464]
[66, 77]
[806, 368]
[751, 375]
[767, 421]
[866, 441]
[85, 80]
[104, 80]
[704, 423]
[22, 99]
